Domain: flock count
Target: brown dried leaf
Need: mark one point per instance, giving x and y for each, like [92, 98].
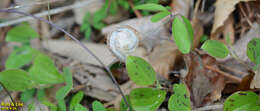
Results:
[226, 31]
[163, 58]
[223, 10]
[205, 85]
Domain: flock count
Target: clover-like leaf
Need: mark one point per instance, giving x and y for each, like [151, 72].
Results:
[44, 71]
[146, 99]
[21, 33]
[76, 99]
[97, 106]
[140, 71]
[151, 7]
[180, 100]
[27, 95]
[157, 17]
[20, 57]
[79, 107]
[242, 101]
[62, 92]
[15, 80]
[215, 48]
[182, 34]
[253, 51]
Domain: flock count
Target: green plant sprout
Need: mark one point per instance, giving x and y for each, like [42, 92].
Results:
[110, 7]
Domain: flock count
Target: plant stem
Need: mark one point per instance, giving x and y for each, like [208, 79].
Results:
[77, 41]
[8, 93]
[49, 14]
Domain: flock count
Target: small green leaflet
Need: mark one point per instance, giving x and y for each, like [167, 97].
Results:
[21, 33]
[43, 100]
[97, 106]
[180, 100]
[27, 95]
[253, 51]
[62, 105]
[140, 71]
[182, 34]
[44, 71]
[123, 106]
[76, 99]
[15, 80]
[189, 29]
[215, 48]
[86, 26]
[146, 99]
[242, 101]
[157, 17]
[79, 107]
[151, 7]
[62, 92]
[113, 7]
[203, 38]
[20, 57]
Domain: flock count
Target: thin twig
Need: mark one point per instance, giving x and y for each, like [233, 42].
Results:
[237, 79]
[137, 13]
[8, 93]
[33, 4]
[45, 13]
[49, 15]
[244, 14]
[77, 41]
[207, 108]
[203, 6]
[232, 69]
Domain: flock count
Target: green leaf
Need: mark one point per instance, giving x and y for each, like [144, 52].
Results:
[189, 29]
[79, 107]
[101, 13]
[32, 106]
[180, 100]
[21, 33]
[140, 71]
[15, 80]
[253, 51]
[88, 32]
[62, 92]
[97, 106]
[52, 106]
[43, 100]
[151, 7]
[27, 95]
[20, 57]
[157, 17]
[123, 106]
[76, 99]
[215, 48]
[124, 4]
[146, 99]
[99, 25]
[242, 101]
[44, 71]
[110, 109]
[62, 105]
[182, 35]
[113, 7]
[203, 38]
